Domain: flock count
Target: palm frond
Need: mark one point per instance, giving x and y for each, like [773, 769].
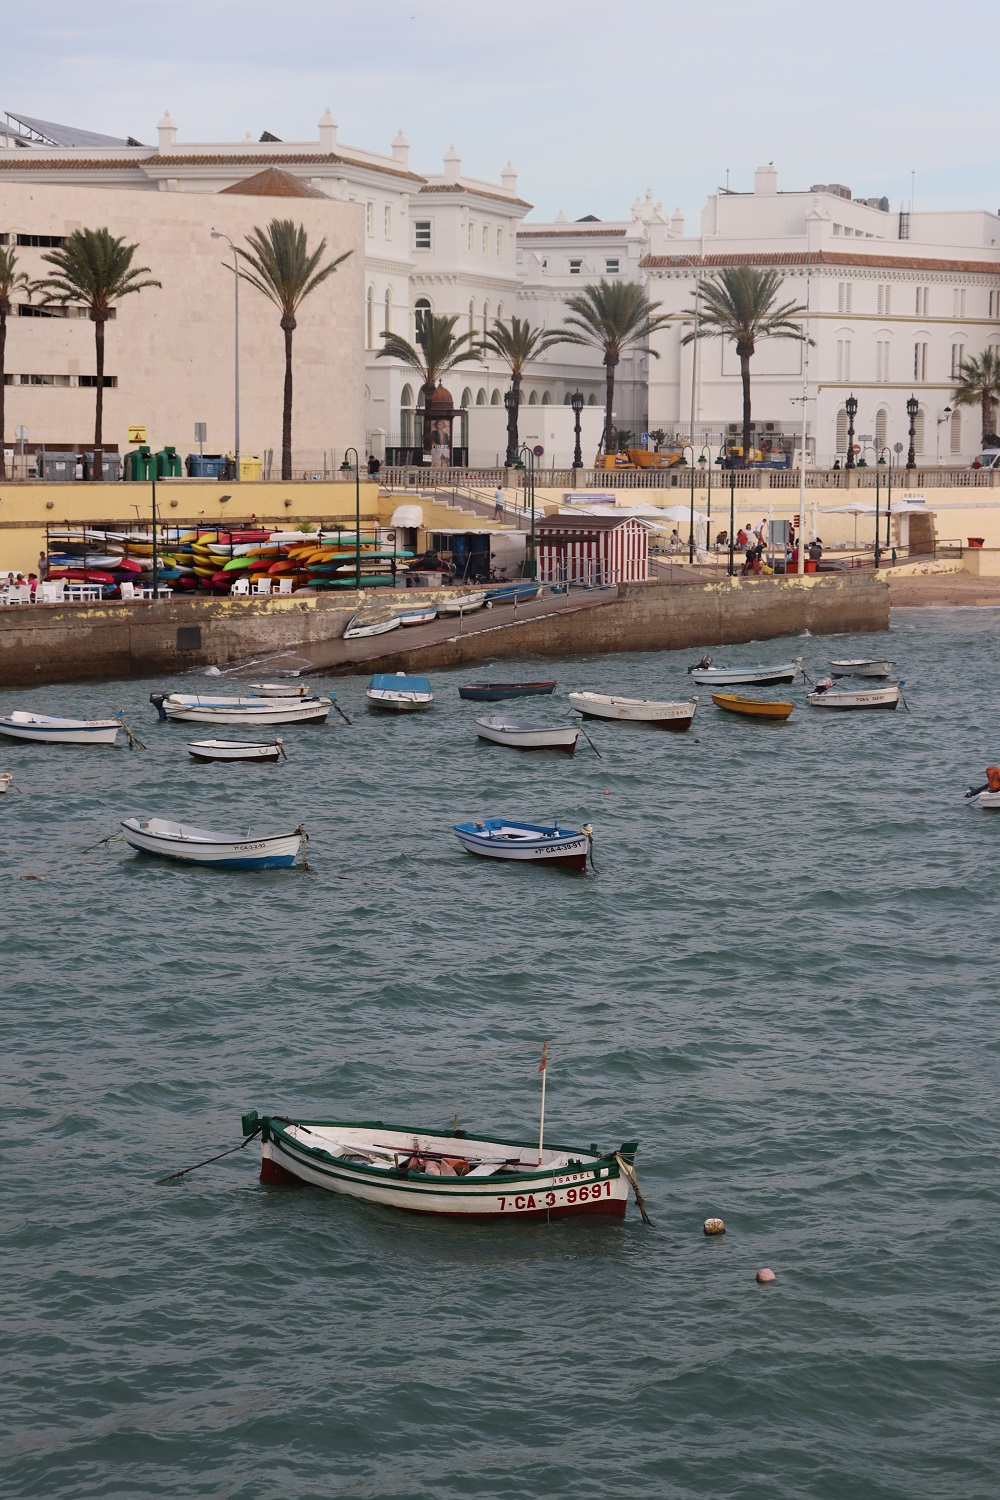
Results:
[282, 267]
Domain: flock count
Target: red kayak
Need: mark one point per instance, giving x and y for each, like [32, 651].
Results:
[80, 575]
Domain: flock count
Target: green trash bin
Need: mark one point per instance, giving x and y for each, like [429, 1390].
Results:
[139, 463]
[168, 464]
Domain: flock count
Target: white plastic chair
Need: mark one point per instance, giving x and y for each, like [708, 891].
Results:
[127, 590]
[285, 585]
[240, 589]
[20, 594]
[262, 586]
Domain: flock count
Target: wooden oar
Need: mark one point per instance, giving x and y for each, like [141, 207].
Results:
[208, 1160]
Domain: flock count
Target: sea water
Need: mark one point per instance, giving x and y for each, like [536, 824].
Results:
[781, 979]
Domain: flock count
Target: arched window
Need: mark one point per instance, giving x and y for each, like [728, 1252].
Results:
[495, 399]
[918, 431]
[466, 397]
[406, 416]
[546, 399]
[480, 397]
[486, 317]
[568, 399]
[881, 427]
[421, 310]
[472, 320]
[956, 432]
[387, 325]
[370, 319]
[840, 441]
[591, 400]
[533, 399]
[500, 312]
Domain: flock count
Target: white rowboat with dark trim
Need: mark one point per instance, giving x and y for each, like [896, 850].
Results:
[844, 698]
[49, 729]
[708, 676]
[462, 604]
[443, 1172]
[273, 750]
[360, 625]
[863, 667]
[522, 736]
[676, 716]
[224, 851]
[502, 838]
[242, 710]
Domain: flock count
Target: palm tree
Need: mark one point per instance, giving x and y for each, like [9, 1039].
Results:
[438, 350]
[517, 345]
[11, 282]
[739, 304]
[284, 269]
[979, 385]
[95, 268]
[612, 316]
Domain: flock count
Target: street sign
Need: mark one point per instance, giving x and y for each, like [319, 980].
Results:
[201, 432]
[21, 433]
[137, 432]
[538, 450]
[644, 437]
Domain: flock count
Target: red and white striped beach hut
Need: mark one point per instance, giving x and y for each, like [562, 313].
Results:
[592, 550]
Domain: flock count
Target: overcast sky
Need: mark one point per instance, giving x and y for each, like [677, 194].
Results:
[592, 102]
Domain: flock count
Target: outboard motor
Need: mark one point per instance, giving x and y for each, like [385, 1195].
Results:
[158, 699]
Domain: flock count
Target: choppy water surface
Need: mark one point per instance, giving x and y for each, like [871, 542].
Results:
[782, 980]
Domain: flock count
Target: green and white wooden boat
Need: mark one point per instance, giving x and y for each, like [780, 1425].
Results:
[443, 1172]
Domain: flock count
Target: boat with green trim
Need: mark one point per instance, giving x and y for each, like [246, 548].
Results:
[443, 1172]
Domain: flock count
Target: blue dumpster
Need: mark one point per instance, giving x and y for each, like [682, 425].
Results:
[205, 465]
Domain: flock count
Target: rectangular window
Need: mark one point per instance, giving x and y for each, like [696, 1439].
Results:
[499, 241]
[612, 267]
[922, 301]
[369, 218]
[43, 241]
[421, 234]
[486, 239]
[957, 359]
[387, 221]
[994, 304]
[844, 290]
[920, 361]
[838, 228]
[882, 361]
[110, 381]
[958, 302]
[956, 432]
[472, 235]
[843, 359]
[575, 267]
[884, 300]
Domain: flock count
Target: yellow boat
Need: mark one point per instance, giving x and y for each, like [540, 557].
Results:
[752, 708]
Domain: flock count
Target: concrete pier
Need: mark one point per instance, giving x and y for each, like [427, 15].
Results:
[43, 643]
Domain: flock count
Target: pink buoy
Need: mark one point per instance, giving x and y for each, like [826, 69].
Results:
[766, 1276]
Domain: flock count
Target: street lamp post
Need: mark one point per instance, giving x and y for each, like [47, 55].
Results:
[880, 459]
[944, 417]
[218, 235]
[690, 449]
[912, 407]
[703, 463]
[345, 468]
[732, 515]
[576, 402]
[851, 408]
[529, 483]
[897, 449]
[510, 401]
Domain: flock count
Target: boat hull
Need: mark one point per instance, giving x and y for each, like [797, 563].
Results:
[205, 714]
[495, 692]
[587, 1185]
[229, 750]
[744, 676]
[398, 703]
[876, 698]
[867, 668]
[52, 731]
[358, 629]
[529, 737]
[753, 708]
[525, 843]
[462, 606]
[988, 801]
[276, 852]
[675, 716]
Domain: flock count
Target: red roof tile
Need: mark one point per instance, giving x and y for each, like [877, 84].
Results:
[819, 258]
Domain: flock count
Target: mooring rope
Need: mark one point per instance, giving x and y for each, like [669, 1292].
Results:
[629, 1172]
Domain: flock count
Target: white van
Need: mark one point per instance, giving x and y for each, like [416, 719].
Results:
[990, 459]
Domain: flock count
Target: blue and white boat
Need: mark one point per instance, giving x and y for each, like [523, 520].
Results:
[501, 838]
[224, 851]
[416, 614]
[513, 593]
[399, 693]
[52, 730]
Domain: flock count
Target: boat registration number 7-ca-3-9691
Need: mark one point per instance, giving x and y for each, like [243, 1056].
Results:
[582, 1194]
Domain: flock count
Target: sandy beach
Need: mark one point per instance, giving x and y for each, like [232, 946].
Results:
[912, 590]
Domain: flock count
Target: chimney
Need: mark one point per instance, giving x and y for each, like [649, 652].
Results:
[327, 131]
[401, 150]
[765, 181]
[508, 179]
[677, 223]
[452, 165]
[166, 131]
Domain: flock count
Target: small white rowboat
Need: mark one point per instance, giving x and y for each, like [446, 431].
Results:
[863, 667]
[708, 676]
[281, 690]
[5, 780]
[429, 1172]
[417, 614]
[360, 625]
[884, 697]
[235, 750]
[224, 851]
[529, 736]
[254, 711]
[500, 838]
[988, 801]
[51, 730]
[676, 716]
[462, 604]
[399, 693]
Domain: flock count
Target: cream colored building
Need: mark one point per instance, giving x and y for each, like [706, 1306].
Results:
[169, 353]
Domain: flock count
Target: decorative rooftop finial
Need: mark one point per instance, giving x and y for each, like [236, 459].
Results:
[166, 131]
[327, 131]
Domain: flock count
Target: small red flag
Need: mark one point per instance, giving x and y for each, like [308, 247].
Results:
[545, 1058]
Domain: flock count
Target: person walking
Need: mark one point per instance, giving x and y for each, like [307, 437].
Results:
[499, 501]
